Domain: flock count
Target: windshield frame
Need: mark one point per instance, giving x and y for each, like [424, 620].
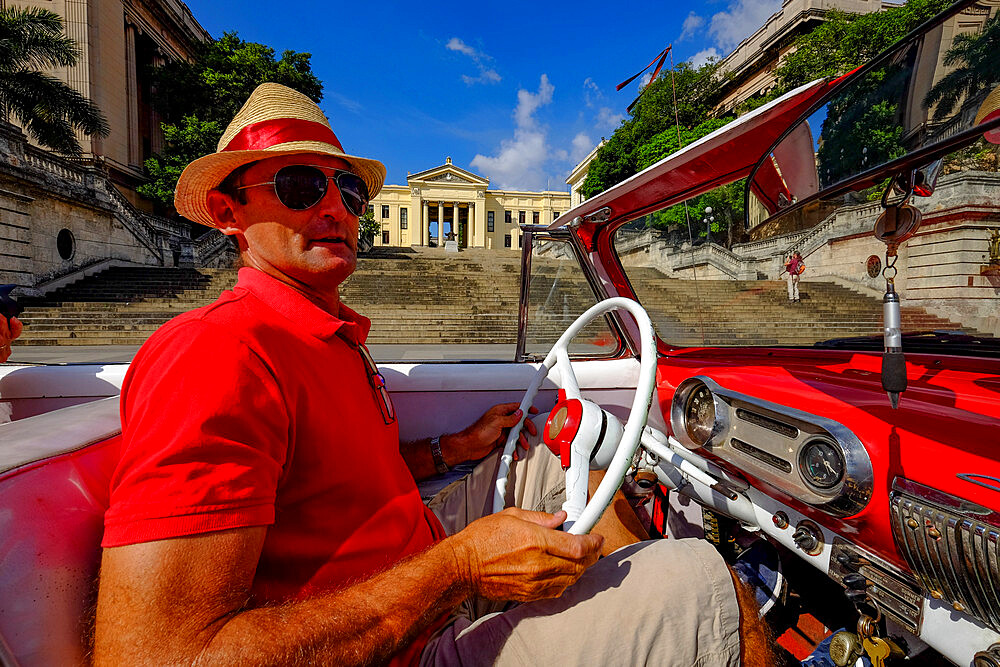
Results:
[530, 233]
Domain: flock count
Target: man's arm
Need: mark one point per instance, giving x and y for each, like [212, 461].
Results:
[187, 600]
[469, 444]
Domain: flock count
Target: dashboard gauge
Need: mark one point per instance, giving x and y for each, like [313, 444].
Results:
[821, 464]
[699, 415]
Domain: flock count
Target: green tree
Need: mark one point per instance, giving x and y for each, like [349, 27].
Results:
[846, 41]
[49, 110]
[368, 227]
[652, 115]
[198, 98]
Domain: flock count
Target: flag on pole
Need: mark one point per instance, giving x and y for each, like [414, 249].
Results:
[658, 59]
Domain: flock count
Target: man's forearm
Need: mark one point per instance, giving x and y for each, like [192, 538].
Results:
[154, 608]
[366, 623]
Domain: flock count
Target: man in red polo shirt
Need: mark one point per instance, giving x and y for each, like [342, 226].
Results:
[264, 511]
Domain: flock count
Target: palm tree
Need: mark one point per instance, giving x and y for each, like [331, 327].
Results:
[48, 109]
[978, 69]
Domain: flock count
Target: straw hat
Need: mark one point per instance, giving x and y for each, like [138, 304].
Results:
[989, 110]
[275, 121]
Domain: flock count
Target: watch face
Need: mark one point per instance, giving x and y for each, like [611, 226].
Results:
[821, 464]
[699, 415]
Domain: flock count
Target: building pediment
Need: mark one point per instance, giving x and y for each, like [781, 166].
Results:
[448, 174]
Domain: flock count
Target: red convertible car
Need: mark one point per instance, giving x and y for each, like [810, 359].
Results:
[840, 408]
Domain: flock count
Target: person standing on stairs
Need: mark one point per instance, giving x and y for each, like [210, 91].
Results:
[794, 266]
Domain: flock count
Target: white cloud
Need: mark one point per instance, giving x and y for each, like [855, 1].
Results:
[703, 56]
[692, 24]
[486, 73]
[487, 76]
[592, 94]
[520, 163]
[528, 102]
[455, 44]
[731, 27]
[582, 144]
[609, 118]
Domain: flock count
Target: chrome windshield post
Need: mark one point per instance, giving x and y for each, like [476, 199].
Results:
[522, 307]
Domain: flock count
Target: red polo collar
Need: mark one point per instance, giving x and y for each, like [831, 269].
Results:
[302, 312]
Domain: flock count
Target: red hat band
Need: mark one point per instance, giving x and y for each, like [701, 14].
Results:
[277, 131]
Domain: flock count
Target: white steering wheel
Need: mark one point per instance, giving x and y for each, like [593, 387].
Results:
[582, 514]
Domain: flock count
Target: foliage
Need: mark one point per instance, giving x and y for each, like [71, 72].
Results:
[977, 69]
[368, 227]
[197, 100]
[652, 115]
[48, 109]
[189, 139]
[846, 41]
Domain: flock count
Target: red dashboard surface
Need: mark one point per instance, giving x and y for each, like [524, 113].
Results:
[948, 421]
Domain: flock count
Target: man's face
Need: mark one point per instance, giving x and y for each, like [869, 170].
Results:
[315, 248]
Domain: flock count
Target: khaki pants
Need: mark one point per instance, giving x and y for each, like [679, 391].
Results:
[669, 602]
[793, 287]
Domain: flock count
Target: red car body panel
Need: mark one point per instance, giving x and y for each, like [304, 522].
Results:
[948, 421]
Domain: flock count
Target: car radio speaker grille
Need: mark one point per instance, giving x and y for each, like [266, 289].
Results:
[952, 545]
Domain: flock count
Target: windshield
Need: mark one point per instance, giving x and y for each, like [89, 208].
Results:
[705, 282]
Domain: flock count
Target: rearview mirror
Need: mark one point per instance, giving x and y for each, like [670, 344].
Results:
[936, 89]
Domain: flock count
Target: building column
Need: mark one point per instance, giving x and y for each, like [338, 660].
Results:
[470, 227]
[425, 225]
[454, 220]
[481, 225]
[440, 239]
[132, 97]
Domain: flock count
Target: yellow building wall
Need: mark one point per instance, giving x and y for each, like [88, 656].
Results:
[412, 197]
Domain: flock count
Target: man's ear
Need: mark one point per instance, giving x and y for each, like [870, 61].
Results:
[222, 208]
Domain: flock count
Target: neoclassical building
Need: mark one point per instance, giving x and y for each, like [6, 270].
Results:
[447, 200]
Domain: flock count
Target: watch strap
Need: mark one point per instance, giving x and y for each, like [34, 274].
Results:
[438, 457]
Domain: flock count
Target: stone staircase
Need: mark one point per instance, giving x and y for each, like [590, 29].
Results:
[428, 297]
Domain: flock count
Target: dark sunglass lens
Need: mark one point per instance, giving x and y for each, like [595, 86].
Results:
[299, 186]
[353, 191]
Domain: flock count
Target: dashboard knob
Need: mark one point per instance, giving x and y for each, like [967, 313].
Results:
[846, 560]
[856, 581]
[805, 538]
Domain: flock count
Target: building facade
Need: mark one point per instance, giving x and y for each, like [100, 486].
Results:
[119, 42]
[62, 218]
[449, 203]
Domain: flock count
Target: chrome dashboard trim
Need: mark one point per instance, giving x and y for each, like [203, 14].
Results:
[773, 435]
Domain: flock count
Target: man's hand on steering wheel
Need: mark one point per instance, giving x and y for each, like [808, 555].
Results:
[486, 434]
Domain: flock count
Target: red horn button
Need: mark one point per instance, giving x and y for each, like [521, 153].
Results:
[562, 426]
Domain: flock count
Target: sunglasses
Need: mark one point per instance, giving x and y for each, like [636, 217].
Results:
[302, 186]
[377, 382]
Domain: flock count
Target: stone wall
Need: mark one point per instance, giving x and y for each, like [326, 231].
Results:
[45, 198]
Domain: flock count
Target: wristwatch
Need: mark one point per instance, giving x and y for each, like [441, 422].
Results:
[439, 463]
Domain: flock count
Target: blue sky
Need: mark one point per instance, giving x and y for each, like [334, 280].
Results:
[517, 92]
